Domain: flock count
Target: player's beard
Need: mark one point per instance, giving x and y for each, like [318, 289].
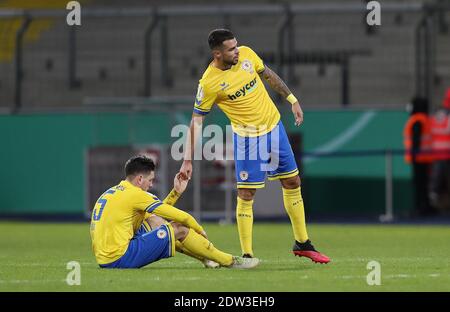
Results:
[231, 62]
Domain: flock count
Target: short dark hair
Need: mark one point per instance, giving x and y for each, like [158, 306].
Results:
[139, 164]
[218, 36]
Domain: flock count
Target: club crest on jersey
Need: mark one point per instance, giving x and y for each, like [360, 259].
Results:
[247, 66]
[161, 234]
[243, 175]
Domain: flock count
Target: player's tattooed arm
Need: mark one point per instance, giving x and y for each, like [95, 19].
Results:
[275, 82]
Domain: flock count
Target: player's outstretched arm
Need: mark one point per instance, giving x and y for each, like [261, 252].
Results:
[191, 141]
[278, 85]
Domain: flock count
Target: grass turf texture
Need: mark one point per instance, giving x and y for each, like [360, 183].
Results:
[413, 258]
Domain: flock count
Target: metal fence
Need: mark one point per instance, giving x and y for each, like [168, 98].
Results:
[326, 52]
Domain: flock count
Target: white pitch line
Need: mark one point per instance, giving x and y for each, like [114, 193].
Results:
[46, 265]
[31, 281]
[434, 275]
[400, 276]
[391, 276]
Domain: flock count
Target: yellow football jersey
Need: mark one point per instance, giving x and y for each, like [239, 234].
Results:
[240, 94]
[119, 213]
[116, 216]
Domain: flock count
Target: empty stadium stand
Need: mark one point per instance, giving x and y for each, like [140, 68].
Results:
[108, 59]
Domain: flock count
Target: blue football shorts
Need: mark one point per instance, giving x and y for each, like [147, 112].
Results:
[145, 247]
[269, 154]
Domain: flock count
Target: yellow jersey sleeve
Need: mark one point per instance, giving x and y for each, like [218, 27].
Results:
[204, 100]
[257, 61]
[146, 201]
[172, 198]
[174, 214]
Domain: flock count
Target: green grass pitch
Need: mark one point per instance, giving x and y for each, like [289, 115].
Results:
[413, 258]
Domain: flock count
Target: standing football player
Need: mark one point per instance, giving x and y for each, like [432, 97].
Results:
[233, 81]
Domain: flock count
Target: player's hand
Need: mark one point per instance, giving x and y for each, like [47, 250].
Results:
[298, 113]
[186, 169]
[180, 183]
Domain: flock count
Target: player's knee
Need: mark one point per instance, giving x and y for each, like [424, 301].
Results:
[155, 221]
[291, 183]
[246, 194]
[180, 231]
